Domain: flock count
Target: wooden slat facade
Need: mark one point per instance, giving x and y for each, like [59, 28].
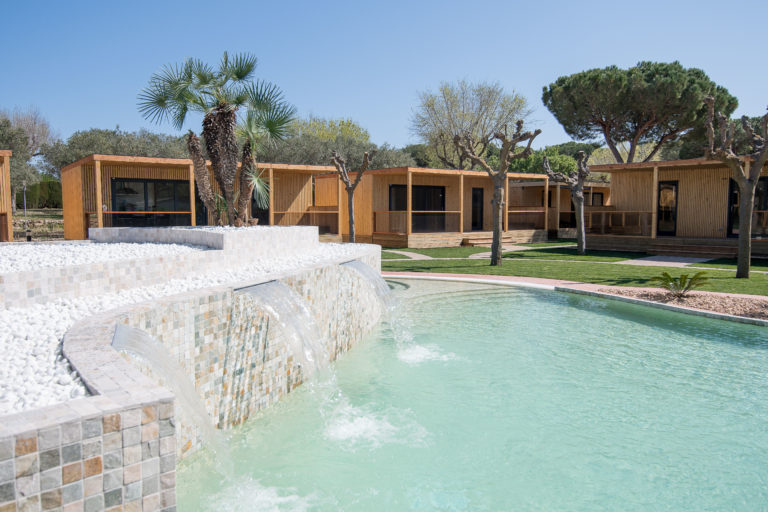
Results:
[87, 194]
[702, 193]
[6, 201]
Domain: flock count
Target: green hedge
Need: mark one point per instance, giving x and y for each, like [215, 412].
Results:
[45, 194]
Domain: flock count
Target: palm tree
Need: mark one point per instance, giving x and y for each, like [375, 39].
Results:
[219, 95]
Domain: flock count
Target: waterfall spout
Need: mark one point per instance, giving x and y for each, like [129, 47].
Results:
[139, 343]
[291, 311]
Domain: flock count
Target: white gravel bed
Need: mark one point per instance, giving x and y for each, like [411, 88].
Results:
[23, 257]
[34, 372]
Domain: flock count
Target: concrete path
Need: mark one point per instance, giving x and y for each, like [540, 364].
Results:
[663, 261]
[410, 255]
[515, 248]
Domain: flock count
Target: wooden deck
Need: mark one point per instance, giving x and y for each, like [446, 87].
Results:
[676, 246]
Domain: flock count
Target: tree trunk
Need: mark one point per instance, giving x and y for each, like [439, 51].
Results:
[351, 209]
[246, 187]
[746, 207]
[13, 201]
[498, 219]
[202, 176]
[578, 204]
[221, 143]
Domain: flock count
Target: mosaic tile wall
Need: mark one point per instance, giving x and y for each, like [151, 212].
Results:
[238, 355]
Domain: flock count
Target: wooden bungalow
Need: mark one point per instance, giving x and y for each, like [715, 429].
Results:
[6, 205]
[684, 207]
[115, 191]
[561, 215]
[418, 208]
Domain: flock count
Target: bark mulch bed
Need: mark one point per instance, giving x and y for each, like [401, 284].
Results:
[756, 307]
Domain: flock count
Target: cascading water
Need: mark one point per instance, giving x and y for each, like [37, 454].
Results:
[141, 344]
[291, 311]
[394, 315]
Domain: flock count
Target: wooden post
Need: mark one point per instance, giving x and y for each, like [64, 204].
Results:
[6, 180]
[546, 203]
[461, 203]
[192, 212]
[409, 202]
[271, 197]
[655, 202]
[506, 204]
[338, 205]
[99, 210]
[557, 209]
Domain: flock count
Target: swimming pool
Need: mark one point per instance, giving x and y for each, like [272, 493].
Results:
[502, 398]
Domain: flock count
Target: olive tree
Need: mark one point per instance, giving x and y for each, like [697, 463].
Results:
[474, 110]
[745, 170]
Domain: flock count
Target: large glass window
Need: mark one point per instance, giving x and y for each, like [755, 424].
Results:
[144, 197]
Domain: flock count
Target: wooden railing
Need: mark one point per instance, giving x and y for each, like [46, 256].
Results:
[422, 221]
[614, 222]
[326, 221]
[526, 217]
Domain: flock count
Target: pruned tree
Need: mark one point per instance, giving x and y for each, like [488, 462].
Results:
[651, 103]
[745, 170]
[472, 109]
[575, 182]
[351, 184]
[466, 144]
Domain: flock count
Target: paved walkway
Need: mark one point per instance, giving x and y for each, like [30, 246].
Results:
[663, 261]
[515, 248]
[410, 255]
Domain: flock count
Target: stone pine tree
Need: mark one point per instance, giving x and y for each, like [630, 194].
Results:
[745, 170]
[576, 183]
[465, 145]
[351, 184]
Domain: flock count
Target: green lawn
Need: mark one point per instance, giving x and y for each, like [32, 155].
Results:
[449, 252]
[385, 255]
[564, 253]
[730, 263]
[599, 273]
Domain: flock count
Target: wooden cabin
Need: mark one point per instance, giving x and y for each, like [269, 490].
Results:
[561, 215]
[6, 204]
[685, 207]
[117, 191]
[418, 208]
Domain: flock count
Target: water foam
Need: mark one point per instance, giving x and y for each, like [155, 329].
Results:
[249, 495]
[415, 354]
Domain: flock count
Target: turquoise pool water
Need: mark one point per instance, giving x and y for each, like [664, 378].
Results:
[513, 399]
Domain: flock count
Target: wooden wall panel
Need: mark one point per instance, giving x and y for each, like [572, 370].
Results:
[293, 191]
[326, 190]
[88, 177]
[72, 203]
[702, 201]
[632, 191]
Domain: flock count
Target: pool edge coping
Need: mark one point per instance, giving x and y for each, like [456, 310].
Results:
[524, 283]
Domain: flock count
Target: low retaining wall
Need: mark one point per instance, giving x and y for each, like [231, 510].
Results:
[226, 250]
[118, 448]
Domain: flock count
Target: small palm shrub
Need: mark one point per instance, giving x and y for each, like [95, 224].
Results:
[679, 287]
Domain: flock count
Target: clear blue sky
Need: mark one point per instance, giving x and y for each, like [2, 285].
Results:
[83, 63]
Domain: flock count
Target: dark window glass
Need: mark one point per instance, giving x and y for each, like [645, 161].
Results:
[597, 199]
[398, 201]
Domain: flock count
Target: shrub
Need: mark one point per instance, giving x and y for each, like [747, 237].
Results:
[679, 287]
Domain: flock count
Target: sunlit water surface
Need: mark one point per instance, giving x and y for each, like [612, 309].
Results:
[512, 399]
